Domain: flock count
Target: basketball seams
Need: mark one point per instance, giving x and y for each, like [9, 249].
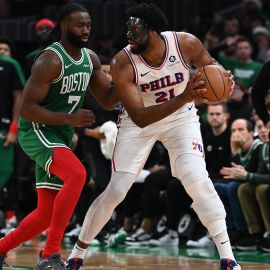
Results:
[206, 77]
[222, 81]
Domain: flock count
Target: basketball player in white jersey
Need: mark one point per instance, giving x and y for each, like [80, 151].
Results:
[151, 77]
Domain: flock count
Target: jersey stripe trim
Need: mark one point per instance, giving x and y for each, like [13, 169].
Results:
[61, 59]
[87, 51]
[46, 185]
[179, 51]
[68, 56]
[133, 65]
[165, 59]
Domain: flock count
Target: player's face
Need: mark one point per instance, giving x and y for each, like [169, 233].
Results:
[216, 116]
[78, 29]
[137, 35]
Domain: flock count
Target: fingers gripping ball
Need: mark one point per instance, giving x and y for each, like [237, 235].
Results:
[217, 83]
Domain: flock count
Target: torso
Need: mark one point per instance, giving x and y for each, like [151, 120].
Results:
[159, 84]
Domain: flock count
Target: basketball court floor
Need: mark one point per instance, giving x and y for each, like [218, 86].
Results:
[140, 258]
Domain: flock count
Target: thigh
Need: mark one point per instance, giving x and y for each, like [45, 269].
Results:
[132, 148]
[183, 138]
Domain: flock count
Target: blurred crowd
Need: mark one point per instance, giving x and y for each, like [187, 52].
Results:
[157, 210]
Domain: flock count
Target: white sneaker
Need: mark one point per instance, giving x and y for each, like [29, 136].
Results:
[74, 232]
[139, 238]
[167, 240]
[202, 242]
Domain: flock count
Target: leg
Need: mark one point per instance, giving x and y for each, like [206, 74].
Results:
[67, 167]
[33, 224]
[206, 202]
[264, 206]
[246, 194]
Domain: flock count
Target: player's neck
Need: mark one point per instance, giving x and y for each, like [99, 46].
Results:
[155, 53]
[73, 51]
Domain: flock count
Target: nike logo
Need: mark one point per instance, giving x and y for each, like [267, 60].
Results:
[143, 74]
[222, 243]
[67, 66]
[190, 107]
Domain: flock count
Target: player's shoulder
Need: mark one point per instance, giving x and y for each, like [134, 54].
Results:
[120, 60]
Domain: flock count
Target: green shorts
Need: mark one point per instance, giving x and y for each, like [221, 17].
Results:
[38, 141]
[6, 160]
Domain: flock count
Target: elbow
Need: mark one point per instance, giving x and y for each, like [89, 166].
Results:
[139, 122]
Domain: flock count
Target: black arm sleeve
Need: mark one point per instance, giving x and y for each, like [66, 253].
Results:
[259, 91]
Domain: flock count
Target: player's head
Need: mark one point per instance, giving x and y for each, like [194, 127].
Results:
[74, 23]
[141, 20]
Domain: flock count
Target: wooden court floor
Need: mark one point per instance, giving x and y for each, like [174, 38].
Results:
[24, 257]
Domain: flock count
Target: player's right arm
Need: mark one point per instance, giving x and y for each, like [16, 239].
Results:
[45, 70]
[129, 95]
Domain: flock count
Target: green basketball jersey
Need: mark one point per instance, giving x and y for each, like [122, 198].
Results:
[66, 94]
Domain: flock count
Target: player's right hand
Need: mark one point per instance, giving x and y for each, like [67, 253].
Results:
[194, 88]
[82, 118]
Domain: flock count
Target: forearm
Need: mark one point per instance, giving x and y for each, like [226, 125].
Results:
[107, 98]
[36, 113]
[258, 178]
[148, 115]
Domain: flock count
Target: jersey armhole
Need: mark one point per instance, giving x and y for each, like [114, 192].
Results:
[62, 61]
[176, 40]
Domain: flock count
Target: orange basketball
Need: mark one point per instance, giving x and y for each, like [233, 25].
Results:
[217, 83]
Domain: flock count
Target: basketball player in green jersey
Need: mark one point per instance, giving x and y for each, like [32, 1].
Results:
[51, 106]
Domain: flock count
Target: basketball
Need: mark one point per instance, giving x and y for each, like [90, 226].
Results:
[217, 83]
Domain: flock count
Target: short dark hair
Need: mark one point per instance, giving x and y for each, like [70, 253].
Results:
[151, 14]
[66, 10]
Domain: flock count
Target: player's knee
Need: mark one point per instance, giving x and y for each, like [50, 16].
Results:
[78, 173]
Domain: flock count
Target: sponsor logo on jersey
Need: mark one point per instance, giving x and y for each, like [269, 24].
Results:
[75, 82]
[163, 82]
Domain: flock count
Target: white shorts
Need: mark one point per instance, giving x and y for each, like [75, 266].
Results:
[133, 144]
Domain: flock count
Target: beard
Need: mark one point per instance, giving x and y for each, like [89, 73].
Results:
[75, 40]
[139, 49]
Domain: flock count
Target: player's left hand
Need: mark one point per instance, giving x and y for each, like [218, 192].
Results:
[10, 139]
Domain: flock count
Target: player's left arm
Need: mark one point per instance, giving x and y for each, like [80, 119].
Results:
[101, 86]
[193, 51]
[195, 54]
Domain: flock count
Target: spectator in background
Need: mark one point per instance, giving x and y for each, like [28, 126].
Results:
[244, 68]
[261, 36]
[245, 156]
[217, 142]
[43, 29]
[253, 200]
[238, 104]
[12, 82]
[6, 47]
[260, 94]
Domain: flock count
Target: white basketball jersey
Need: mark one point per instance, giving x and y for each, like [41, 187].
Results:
[160, 84]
